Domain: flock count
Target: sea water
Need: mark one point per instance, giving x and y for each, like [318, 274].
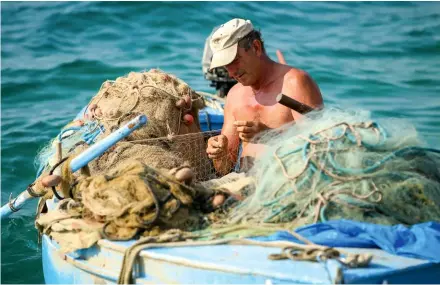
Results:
[379, 56]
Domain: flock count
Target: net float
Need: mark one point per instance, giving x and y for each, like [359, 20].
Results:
[188, 119]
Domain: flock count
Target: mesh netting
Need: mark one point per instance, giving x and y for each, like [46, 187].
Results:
[336, 164]
[153, 93]
[133, 187]
[331, 164]
[171, 138]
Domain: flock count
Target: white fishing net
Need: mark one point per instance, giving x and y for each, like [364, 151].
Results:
[331, 164]
[336, 164]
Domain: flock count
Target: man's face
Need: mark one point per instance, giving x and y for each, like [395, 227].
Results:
[244, 68]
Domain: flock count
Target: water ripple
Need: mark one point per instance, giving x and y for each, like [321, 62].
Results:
[380, 56]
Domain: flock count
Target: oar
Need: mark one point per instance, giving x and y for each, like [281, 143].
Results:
[78, 162]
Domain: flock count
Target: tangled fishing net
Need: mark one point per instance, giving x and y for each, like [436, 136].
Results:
[128, 200]
[171, 137]
[332, 164]
[138, 185]
[336, 164]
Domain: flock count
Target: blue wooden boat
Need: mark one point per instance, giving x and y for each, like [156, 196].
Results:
[232, 264]
[400, 255]
[225, 264]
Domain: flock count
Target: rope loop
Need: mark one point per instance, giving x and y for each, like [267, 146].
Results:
[54, 190]
[32, 192]
[11, 204]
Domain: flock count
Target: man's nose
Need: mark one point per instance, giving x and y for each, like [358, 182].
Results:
[231, 68]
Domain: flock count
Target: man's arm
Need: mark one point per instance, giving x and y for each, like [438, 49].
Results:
[300, 86]
[225, 162]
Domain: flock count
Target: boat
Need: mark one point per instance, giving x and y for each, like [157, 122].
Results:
[226, 264]
[394, 254]
[222, 263]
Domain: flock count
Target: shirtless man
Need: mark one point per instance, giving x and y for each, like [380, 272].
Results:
[251, 105]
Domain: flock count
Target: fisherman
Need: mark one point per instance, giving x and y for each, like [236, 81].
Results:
[251, 105]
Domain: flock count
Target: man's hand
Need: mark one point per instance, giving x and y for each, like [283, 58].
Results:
[248, 129]
[217, 147]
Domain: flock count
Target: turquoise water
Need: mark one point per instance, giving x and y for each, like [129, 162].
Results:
[382, 57]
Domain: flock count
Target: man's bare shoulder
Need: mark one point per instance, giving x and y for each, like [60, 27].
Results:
[296, 76]
[301, 86]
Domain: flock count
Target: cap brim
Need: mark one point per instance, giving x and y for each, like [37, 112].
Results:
[224, 56]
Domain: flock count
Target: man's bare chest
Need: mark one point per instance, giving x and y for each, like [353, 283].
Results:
[273, 116]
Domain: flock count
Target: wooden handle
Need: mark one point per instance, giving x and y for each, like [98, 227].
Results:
[59, 151]
[293, 104]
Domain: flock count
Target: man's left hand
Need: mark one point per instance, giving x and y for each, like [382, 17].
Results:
[248, 129]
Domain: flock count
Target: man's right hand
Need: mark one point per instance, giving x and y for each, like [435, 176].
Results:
[217, 147]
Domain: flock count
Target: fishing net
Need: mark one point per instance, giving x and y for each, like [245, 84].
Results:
[138, 186]
[130, 200]
[331, 164]
[171, 137]
[336, 164]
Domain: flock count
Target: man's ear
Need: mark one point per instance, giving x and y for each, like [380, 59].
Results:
[256, 45]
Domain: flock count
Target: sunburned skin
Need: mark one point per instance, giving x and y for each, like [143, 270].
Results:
[251, 107]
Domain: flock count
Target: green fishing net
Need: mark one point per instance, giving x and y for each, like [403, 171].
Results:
[336, 164]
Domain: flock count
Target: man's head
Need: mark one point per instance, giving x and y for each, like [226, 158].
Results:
[238, 47]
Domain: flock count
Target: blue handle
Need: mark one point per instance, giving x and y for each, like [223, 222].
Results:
[100, 147]
[80, 161]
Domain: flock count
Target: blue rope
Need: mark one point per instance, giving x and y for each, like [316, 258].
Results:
[304, 155]
[290, 191]
[383, 136]
[93, 130]
[301, 183]
[276, 213]
[60, 136]
[295, 150]
[89, 138]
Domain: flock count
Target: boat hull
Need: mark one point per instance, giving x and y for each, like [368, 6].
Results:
[223, 264]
